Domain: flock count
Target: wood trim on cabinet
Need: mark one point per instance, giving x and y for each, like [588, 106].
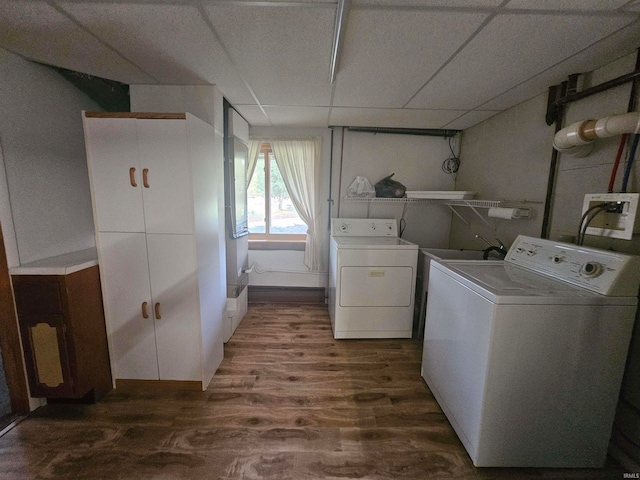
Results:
[87, 332]
[10, 340]
[138, 115]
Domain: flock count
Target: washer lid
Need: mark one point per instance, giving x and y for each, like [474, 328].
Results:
[503, 283]
[374, 243]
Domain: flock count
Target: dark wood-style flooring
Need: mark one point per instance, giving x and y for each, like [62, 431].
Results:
[288, 402]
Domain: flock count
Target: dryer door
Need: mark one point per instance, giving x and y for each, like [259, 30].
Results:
[380, 286]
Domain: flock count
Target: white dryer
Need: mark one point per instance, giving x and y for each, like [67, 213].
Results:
[526, 356]
[372, 279]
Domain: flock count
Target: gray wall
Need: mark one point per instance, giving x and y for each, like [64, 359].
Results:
[44, 161]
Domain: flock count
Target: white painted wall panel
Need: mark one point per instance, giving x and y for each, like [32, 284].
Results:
[44, 160]
[505, 158]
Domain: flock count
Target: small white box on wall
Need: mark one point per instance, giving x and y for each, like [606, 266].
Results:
[617, 221]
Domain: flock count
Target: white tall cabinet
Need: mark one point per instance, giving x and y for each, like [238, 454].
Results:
[158, 200]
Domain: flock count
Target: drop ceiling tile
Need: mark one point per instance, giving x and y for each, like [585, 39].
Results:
[385, 67]
[589, 59]
[431, 3]
[267, 3]
[298, 116]
[171, 42]
[469, 119]
[253, 115]
[380, 117]
[633, 6]
[566, 4]
[283, 52]
[510, 49]
[41, 33]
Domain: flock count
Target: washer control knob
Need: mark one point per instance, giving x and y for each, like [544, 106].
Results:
[372, 226]
[591, 269]
[557, 259]
[344, 227]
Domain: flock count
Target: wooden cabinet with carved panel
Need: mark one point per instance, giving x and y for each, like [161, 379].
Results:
[63, 330]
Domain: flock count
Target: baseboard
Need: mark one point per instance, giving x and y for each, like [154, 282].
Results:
[271, 294]
[162, 385]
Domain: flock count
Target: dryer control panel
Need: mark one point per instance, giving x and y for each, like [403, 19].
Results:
[601, 271]
[364, 227]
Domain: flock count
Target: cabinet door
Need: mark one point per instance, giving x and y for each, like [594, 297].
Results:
[174, 286]
[164, 159]
[42, 310]
[125, 277]
[46, 355]
[116, 178]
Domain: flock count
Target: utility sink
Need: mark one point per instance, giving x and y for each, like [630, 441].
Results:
[452, 254]
[445, 254]
[422, 283]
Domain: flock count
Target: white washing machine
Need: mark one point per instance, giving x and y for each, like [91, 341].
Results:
[526, 356]
[372, 279]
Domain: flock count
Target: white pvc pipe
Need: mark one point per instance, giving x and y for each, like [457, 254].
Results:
[618, 125]
[576, 140]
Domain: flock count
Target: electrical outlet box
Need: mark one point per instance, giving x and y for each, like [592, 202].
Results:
[619, 220]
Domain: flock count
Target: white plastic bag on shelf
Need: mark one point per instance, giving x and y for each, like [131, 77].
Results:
[361, 187]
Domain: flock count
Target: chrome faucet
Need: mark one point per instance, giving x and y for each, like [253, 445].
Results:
[500, 248]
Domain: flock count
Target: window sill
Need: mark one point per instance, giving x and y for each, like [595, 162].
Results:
[277, 245]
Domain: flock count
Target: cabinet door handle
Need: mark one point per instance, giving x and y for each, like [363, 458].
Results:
[145, 177]
[145, 314]
[157, 311]
[132, 177]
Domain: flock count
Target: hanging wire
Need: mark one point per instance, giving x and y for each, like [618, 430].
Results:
[452, 164]
[403, 222]
[403, 225]
[591, 212]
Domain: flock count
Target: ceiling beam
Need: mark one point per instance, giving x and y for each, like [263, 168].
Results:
[339, 30]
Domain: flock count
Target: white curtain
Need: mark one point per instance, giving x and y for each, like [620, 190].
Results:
[254, 151]
[299, 164]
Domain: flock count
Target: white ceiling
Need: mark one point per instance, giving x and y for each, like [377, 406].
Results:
[403, 63]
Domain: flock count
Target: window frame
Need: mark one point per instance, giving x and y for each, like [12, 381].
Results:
[262, 238]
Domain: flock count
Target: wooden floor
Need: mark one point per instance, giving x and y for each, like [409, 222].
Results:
[288, 402]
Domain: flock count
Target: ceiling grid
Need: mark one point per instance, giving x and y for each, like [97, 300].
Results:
[402, 63]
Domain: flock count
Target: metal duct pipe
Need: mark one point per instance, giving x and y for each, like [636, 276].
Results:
[576, 140]
[430, 132]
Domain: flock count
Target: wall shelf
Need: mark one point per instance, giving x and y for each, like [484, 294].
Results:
[451, 203]
[435, 201]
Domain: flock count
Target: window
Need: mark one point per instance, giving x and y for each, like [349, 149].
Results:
[272, 215]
